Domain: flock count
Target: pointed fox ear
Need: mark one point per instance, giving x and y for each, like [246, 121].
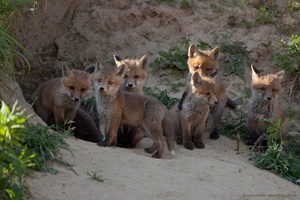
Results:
[143, 62]
[254, 74]
[120, 70]
[193, 51]
[90, 69]
[66, 71]
[214, 54]
[118, 60]
[280, 75]
[196, 78]
[99, 66]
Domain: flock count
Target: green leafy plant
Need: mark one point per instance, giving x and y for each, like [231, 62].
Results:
[174, 57]
[289, 60]
[266, 14]
[15, 158]
[162, 96]
[45, 143]
[274, 158]
[95, 177]
[236, 55]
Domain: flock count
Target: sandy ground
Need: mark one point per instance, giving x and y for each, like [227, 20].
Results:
[216, 172]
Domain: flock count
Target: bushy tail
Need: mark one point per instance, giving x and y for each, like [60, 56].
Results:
[231, 103]
[168, 126]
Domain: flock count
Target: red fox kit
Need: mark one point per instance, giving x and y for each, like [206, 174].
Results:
[59, 98]
[135, 76]
[135, 73]
[191, 119]
[116, 107]
[264, 103]
[205, 63]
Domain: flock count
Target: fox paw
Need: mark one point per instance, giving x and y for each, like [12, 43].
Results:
[199, 145]
[214, 135]
[156, 155]
[179, 139]
[189, 145]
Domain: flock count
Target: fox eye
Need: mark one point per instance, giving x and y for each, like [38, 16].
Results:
[72, 87]
[125, 76]
[262, 88]
[274, 90]
[110, 82]
[207, 93]
[136, 76]
[99, 80]
[82, 89]
[208, 69]
[196, 67]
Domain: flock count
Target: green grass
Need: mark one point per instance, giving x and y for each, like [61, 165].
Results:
[286, 163]
[25, 147]
[95, 177]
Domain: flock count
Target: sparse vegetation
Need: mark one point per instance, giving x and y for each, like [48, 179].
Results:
[289, 60]
[10, 48]
[230, 127]
[24, 147]
[175, 57]
[236, 57]
[162, 96]
[275, 159]
[95, 177]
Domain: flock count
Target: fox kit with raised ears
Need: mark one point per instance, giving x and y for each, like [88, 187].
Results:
[116, 107]
[191, 119]
[264, 103]
[57, 100]
[205, 63]
[135, 76]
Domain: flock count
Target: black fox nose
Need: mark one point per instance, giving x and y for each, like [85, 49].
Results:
[76, 99]
[130, 85]
[101, 88]
[269, 98]
[216, 102]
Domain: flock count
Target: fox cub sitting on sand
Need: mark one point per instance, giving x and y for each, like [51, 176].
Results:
[264, 104]
[205, 63]
[57, 100]
[191, 119]
[116, 106]
[135, 76]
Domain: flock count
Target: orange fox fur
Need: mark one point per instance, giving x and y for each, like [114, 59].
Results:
[58, 99]
[191, 119]
[116, 107]
[205, 63]
[135, 76]
[264, 104]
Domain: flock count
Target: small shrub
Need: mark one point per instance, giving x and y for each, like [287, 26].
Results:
[162, 96]
[45, 143]
[173, 58]
[235, 57]
[275, 159]
[289, 60]
[15, 159]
